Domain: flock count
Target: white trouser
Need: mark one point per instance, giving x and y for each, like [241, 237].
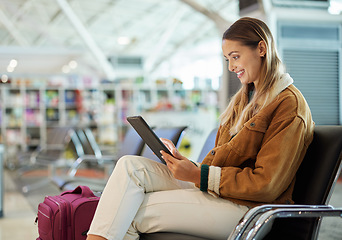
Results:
[142, 196]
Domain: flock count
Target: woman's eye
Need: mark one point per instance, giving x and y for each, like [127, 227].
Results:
[235, 57]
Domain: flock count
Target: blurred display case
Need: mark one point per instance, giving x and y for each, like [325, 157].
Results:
[27, 112]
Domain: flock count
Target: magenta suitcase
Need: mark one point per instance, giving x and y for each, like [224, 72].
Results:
[67, 216]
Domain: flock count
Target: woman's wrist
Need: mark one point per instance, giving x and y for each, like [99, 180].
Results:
[197, 176]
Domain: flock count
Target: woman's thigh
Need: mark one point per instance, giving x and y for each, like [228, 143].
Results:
[188, 211]
[145, 173]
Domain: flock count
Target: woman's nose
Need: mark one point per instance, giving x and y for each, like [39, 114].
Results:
[231, 67]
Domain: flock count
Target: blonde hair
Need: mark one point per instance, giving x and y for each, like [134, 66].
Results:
[249, 32]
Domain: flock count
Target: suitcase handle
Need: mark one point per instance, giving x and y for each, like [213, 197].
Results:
[83, 190]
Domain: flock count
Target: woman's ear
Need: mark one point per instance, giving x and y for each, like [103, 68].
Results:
[262, 48]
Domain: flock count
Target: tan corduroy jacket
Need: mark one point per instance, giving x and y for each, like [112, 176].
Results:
[258, 165]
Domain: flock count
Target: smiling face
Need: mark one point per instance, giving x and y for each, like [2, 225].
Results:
[243, 60]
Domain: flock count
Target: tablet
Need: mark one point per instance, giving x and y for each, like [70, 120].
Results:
[149, 136]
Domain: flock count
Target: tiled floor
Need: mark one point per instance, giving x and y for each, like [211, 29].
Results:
[19, 212]
[18, 220]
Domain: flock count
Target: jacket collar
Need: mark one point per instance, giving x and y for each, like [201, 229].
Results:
[285, 81]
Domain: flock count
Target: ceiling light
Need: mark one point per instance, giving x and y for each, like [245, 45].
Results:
[10, 69]
[4, 78]
[124, 40]
[13, 63]
[335, 7]
[65, 69]
[73, 64]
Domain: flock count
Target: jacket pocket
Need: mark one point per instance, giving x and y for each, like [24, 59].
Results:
[257, 125]
[249, 140]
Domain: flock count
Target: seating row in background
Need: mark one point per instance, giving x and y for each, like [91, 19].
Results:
[85, 152]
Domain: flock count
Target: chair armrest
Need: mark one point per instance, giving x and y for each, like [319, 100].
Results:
[265, 220]
[40, 149]
[89, 158]
[107, 159]
[255, 213]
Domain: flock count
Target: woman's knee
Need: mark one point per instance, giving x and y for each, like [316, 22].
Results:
[130, 163]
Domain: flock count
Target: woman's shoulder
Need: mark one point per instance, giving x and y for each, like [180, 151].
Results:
[294, 96]
[291, 102]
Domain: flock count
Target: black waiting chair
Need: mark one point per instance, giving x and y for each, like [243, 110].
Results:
[93, 155]
[131, 145]
[88, 142]
[315, 181]
[53, 154]
[314, 185]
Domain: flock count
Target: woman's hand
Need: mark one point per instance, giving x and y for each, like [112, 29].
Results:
[180, 167]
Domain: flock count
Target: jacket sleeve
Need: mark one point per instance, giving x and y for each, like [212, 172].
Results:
[283, 148]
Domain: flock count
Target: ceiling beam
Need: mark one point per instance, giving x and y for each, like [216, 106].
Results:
[18, 13]
[44, 32]
[106, 8]
[220, 21]
[157, 51]
[87, 39]
[214, 16]
[192, 37]
[11, 28]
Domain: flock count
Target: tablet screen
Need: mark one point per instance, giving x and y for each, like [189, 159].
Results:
[148, 135]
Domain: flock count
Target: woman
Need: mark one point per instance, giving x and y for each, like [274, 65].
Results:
[263, 136]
